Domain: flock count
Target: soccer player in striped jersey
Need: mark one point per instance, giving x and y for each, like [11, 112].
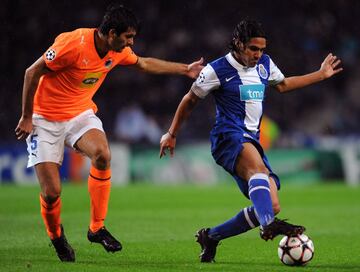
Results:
[238, 82]
[58, 110]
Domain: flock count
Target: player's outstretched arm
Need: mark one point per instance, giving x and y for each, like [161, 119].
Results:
[329, 67]
[158, 66]
[31, 81]
[168, 140]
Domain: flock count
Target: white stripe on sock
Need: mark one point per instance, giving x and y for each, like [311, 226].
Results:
[247, 217]
[259, 176]
[256, 215]
[258, 188]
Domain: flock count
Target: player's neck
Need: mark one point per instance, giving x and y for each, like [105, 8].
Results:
[100, 44]
[237, 57]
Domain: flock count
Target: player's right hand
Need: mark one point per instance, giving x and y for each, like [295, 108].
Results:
[23, 128]
[330, 66]
[167, 142]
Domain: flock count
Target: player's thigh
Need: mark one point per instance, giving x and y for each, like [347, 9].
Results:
[49, 180]
[94, 143]
[249, 162]
[85, 133]
[46, 141]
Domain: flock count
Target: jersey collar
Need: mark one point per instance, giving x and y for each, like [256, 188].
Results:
[234, 63]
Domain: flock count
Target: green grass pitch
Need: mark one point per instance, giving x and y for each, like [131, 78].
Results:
[156, 225]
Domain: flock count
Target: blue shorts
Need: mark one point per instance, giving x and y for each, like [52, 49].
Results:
[225, 148]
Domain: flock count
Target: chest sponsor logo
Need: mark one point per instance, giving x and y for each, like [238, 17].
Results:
[262, 72]
[90, 79]
[252, 92]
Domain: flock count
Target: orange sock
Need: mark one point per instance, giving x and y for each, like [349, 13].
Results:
[99, 189]
[51, 216]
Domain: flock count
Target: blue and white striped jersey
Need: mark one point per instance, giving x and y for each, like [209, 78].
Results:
[239, 91]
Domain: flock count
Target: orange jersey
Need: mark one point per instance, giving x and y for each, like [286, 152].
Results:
[76, 74]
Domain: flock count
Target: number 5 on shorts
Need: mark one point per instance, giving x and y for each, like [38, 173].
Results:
[33, 140]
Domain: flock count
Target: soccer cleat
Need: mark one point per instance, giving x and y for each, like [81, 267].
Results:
[208, 246]
[102, 236]
[63, 249]
[280, 227]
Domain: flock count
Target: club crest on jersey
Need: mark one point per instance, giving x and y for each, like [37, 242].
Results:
[50, 54]
[108, 63]
[262, 71]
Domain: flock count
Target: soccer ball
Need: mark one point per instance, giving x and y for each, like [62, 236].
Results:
[296, 251]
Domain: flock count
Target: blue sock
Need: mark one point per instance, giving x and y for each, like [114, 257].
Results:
[242, 222]
[259, 193]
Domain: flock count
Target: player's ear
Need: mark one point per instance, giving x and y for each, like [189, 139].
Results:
[239, 45]
[112, 33]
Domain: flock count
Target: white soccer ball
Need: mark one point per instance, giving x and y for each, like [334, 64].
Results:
[296, 251]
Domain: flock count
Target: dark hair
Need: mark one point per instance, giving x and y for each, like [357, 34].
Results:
[119, 18]
[244, 31]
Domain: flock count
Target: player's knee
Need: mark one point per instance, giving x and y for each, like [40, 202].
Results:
[50, 197]
[256, 170]
[102, 158]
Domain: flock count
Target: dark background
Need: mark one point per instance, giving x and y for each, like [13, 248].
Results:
[300, 34]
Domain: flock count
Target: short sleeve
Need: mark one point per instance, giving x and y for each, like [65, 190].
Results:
[276, 76]
[62, 53]
[127, 57]
[206, 82]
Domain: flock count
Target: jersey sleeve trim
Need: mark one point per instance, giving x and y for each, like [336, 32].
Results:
[197, 91]
[276, 76]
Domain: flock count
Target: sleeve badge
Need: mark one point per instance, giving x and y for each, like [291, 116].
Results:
[50, 54]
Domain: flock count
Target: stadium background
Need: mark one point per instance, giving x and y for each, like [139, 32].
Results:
[316, 129]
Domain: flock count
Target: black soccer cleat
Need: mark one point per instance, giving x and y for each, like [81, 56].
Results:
[278, 227]
[63, 249]
[103, 237]
[208, 246]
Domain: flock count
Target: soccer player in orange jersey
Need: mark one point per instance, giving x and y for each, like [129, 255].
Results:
[58, 110]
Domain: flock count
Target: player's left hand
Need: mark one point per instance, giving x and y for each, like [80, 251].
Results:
[167, 142]
[330, 66]
[195, 68]
[23, 128]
